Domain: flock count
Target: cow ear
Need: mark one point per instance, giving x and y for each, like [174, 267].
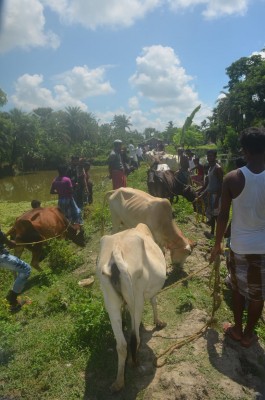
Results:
[192, 244]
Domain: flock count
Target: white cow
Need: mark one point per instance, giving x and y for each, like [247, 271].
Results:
[130, 207]
[131, 268]
[161, 157]
[171, 160]
[151, 156]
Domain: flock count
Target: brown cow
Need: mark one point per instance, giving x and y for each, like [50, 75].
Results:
[166, 184]
[130, 207]
[40, 224]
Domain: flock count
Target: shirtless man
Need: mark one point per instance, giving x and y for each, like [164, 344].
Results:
[212, 188]
[244, 188]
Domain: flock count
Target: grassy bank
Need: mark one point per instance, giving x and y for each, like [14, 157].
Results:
[61, 345]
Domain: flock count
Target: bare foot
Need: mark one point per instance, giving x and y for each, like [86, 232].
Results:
[232, 332]
[248, 340]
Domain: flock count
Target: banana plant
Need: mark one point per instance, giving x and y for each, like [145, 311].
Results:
[187, 124]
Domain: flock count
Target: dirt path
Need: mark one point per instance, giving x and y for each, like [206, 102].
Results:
[210, 367]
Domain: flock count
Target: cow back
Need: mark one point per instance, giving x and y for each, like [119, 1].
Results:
[130, 207]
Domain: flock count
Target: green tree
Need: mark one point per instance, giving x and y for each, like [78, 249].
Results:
[187, 125]
[169, 133]
[121, 125]
[3, 98]
[150, 132]
[25, 130]
[6, 138]
[231, 142]
[243, 103]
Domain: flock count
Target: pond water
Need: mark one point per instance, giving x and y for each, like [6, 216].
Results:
[37, 185]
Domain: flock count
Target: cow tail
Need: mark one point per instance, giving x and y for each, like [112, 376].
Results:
[115, 277]
[133, 346]
[106, 197]
[128, 295]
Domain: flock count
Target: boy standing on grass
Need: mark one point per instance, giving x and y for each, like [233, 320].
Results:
[244, 188]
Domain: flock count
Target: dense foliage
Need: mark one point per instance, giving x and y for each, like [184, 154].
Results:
[242, 104]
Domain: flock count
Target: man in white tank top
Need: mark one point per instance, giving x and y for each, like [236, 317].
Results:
[244, 188]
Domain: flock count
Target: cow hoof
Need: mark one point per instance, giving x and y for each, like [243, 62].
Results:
[160, 325]
[116, 387]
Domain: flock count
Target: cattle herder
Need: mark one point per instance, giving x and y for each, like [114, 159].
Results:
[116, 166]
[244, 190]
[14, 264]
[212, 188]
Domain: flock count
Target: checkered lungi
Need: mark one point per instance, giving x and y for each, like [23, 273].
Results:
[248, 274]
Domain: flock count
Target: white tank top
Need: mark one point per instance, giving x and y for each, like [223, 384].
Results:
[248, 218]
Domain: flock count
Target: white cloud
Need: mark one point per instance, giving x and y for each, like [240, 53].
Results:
[83, 82]
[216, 8]
[141, 120]
[258, 53]
[24, 26]
[133, 103]
[120, 14]
[213, 8]
[161, 78]
[164, 92]
[70, 89]
[92, 14]
[24, 20]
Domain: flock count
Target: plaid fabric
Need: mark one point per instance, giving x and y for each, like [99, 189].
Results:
[210, 210]
[248, 274]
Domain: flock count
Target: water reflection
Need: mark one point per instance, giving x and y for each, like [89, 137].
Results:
[35, 185]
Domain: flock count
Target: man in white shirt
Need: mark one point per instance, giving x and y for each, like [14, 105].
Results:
[244, 189]
[132, 155]
[139, 154]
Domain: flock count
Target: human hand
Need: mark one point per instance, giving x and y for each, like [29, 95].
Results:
[217, 249]
[11, 244]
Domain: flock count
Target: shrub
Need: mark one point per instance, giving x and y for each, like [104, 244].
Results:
[91, 321]
[61, 256]
[55, 301]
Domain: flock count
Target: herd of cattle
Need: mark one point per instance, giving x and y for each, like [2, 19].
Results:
[131, 266]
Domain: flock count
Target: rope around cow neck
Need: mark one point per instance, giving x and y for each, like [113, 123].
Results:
[217, 300]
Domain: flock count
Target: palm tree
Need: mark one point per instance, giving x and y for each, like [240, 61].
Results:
[73, 117]
[120, 123]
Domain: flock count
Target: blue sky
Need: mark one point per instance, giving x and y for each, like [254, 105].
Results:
[152, 60]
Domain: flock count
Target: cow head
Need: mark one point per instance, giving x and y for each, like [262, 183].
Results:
[76, 237]
[179, 253]
[189, 193]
